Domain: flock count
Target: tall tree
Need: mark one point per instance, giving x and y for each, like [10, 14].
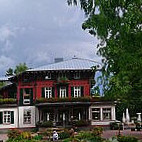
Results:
[118, 26]
[9, 72]
[20, 68]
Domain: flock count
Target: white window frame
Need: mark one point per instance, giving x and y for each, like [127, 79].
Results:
[97, 112]
[6, 117]
[107, 112]
[48, 92]
[77, 91]
[63, 92]
[77, 75]
[26, 118]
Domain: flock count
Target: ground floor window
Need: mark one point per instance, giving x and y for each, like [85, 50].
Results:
[27, 117]
[96, 113]
[7, 117]
[106, 113]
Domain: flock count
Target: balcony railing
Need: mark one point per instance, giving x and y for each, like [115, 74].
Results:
[72, 99]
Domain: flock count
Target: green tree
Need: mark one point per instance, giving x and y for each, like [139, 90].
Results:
[2, 84]
[118, 26]
[9, 72]
[20, 68]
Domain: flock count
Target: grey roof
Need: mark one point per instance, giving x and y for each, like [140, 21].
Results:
[4, 78]
[72, 64]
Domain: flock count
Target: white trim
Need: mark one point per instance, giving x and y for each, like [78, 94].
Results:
[27, 116]
[48, 92]
[63, 92]
[77, 91]
[6, 117]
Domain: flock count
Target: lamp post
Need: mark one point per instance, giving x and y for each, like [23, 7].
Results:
[118, 101]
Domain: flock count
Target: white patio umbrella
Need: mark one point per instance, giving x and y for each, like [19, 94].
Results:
[127, 116]
[123, 118]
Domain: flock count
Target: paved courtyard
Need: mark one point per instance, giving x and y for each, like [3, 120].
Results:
[111, 133]
[3, 137]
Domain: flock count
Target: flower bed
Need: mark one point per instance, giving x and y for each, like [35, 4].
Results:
[8, 101]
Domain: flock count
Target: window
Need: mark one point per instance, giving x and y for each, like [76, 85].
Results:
[48, 92]
[96, 113]
[106, 113]
[7, 117]
[62, 92]
[48, 76]
[77, 91]
[77, 75]
[26, 95]
[27, 116]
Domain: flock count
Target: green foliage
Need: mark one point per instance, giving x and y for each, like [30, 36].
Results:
[127, 139]
[38, 137]
[14, 133]
[45, 124]
[64, 135]
[8, 101]
[2, 84]
[52, 100]
[80, 123]
[117, 25]
[116, 126]
[20, 68]
[97, 131]
[25, 135]
[9, 72]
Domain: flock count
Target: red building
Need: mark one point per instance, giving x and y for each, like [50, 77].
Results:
[58, 92]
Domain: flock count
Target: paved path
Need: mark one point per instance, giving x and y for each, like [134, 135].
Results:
[3, 137]
[110, 133]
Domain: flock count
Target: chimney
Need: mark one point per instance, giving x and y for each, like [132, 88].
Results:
[56, 60]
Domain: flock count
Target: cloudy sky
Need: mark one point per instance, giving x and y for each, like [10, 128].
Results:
[37, 31]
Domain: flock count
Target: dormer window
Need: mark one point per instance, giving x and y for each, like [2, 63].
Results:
[77, 75]
[48, 76]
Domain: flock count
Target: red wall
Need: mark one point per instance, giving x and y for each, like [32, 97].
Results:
[38, 85]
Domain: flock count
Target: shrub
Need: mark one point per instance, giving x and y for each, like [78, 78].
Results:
[97, 131]
[81, 123]
[14, 133]
[64, 135]
[25, 135]
[39, 137]
[84, 135]
[47, 124]
[115, 126]
[127, 139]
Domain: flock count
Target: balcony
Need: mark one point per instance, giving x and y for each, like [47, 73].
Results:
[87, 100]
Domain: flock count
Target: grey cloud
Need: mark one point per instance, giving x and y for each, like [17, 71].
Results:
[38, 31]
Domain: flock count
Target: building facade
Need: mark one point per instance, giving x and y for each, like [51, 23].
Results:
[59, 92]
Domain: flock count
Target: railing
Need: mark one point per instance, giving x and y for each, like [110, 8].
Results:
[72, 99]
